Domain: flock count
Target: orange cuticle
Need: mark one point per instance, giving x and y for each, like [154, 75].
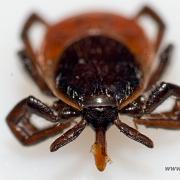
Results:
[99, 150]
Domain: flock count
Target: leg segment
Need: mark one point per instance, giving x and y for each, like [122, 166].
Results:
[161, 67]
[69, 136]
[31, 70]
[19, 121]
[141, 106]
[166, 120]
[33, 18]
[133, 133]
[28, 55]
[147, 11]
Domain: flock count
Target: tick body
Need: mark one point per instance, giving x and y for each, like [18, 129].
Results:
[98, 66]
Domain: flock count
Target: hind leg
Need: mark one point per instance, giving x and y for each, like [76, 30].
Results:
[28, 56]
[31, 70]
[164, 61]
[147, 11]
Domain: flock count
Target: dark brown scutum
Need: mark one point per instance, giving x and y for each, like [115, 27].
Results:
[97, 65]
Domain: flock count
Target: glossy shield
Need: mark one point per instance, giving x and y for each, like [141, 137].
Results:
[118, 28]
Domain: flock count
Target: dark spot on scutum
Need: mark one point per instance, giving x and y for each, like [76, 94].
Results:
[102, 65]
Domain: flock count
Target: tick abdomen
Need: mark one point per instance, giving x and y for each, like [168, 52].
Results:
[97, 65]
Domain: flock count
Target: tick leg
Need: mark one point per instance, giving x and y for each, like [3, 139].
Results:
[28, 56]
[166, 120]
[147, 11]
[31, 70]
[19, 121]
[141, 106]
[164, 60]
[33, 18]
[133, 133]
[68, 136]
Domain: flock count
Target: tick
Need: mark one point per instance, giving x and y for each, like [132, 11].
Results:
[99, 66]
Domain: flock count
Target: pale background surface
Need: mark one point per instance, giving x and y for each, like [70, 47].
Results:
[74, 162]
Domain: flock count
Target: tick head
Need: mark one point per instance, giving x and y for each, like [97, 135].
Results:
[100, 117]
[100, 111]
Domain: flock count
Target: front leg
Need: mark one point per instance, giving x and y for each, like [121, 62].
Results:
[19, 121]
[141, 106]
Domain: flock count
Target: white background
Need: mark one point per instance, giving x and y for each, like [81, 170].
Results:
[130, 160]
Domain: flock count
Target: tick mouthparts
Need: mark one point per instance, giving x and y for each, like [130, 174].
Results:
[99, 150]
